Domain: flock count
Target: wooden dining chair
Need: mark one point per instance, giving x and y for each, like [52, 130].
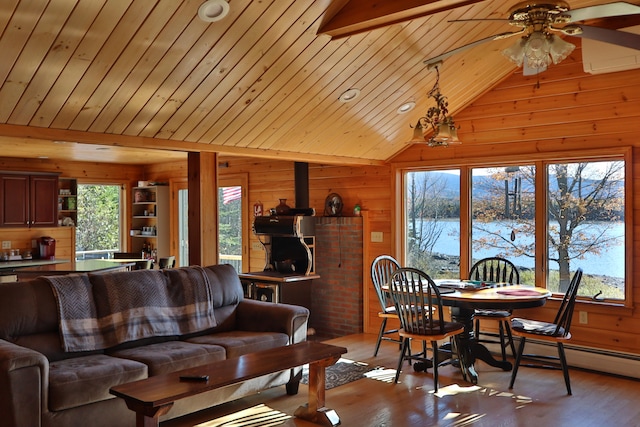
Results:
[145, 264]
[498, 270]
[556, 332]
[419, 306]
[381, 270]
[167, 262]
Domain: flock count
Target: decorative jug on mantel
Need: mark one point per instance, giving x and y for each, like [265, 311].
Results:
[283, 208]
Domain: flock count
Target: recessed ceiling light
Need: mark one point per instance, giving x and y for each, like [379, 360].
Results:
[406, 107]
[349, 95]
[213, 10]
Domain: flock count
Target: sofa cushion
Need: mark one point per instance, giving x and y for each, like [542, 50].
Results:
[226, 288]
[237, 343]
[172, 356]
[82, 380]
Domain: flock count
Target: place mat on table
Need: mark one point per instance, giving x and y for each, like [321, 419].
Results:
[519, 292]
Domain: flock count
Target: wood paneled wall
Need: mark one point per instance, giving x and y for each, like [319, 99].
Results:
[565, 111]
[21, 239]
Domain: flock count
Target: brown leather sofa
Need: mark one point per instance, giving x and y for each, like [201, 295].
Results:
[41, 384]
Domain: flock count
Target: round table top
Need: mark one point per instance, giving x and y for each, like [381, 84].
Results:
[499, 297]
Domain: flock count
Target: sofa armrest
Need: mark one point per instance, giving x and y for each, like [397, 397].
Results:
[24, 381]
[261, 316]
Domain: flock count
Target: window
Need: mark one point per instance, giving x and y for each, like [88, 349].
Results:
[503, 216]
[232, 214]
[433, 222]
[549, 216]
[98, 232]
[586, 205]
[230, 226]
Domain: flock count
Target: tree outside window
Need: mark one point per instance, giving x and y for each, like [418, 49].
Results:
[586, 222]
[503, 216]
[98, 229]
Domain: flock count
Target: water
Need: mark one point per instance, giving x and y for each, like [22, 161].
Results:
[609, 262]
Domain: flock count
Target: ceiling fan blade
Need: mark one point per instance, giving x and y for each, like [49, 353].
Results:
[620, 38]
[505, 20]
[445, 55]
[603, 11]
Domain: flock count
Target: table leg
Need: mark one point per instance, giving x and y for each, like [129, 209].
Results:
[148, 416]
[470, 349]
[315, 410]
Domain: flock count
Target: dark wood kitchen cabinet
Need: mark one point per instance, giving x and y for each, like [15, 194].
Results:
[28, 200]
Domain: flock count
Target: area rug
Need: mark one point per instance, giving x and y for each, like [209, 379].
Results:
[343, 372]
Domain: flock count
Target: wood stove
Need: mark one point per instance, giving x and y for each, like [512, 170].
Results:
[289, 244]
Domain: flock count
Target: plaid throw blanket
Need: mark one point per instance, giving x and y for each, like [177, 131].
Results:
[99, 311]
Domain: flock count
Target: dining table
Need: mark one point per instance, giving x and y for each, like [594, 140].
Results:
[465, 296]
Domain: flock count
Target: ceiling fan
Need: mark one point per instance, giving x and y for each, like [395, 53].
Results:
[539, 46]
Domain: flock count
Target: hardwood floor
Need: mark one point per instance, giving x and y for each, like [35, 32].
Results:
[538, 399]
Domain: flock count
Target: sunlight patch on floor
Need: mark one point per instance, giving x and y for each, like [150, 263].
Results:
[453, 389]
[259, 415]
[456, 419]
[382, 374]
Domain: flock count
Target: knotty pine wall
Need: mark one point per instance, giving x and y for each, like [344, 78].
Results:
[570, 112]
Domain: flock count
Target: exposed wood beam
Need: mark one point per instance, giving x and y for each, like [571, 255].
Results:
[203, 208]
[358, 16]
[45, 134]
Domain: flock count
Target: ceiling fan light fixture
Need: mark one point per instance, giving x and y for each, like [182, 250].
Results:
[538, 50]
[559, 49]
[515, 52]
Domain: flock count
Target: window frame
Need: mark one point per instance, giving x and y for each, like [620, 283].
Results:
[541, 161]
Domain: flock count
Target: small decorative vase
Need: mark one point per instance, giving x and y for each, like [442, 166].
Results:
[282, 208]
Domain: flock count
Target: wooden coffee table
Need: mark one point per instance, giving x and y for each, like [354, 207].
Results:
[153, 397]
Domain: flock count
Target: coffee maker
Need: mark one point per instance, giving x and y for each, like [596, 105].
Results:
[47, 247]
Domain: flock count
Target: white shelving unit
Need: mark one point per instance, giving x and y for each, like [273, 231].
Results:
[150, 219]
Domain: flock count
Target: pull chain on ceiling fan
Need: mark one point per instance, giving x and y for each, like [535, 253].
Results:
[539, 46]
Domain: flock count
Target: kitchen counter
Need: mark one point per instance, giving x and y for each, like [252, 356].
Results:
[10, 266]
[66, 267]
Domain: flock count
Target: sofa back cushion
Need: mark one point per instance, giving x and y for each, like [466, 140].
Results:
[227, 293]
[29, 318]
[225, 285]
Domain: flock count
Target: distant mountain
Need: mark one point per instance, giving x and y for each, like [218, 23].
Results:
[481, 184]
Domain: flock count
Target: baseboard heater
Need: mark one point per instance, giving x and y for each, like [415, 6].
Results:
[593, 359]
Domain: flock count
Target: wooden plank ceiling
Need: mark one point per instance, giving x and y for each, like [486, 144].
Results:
[140, 81]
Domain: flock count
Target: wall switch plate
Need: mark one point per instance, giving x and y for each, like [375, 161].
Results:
[377, 237]
[584, 317]
[6, 244]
